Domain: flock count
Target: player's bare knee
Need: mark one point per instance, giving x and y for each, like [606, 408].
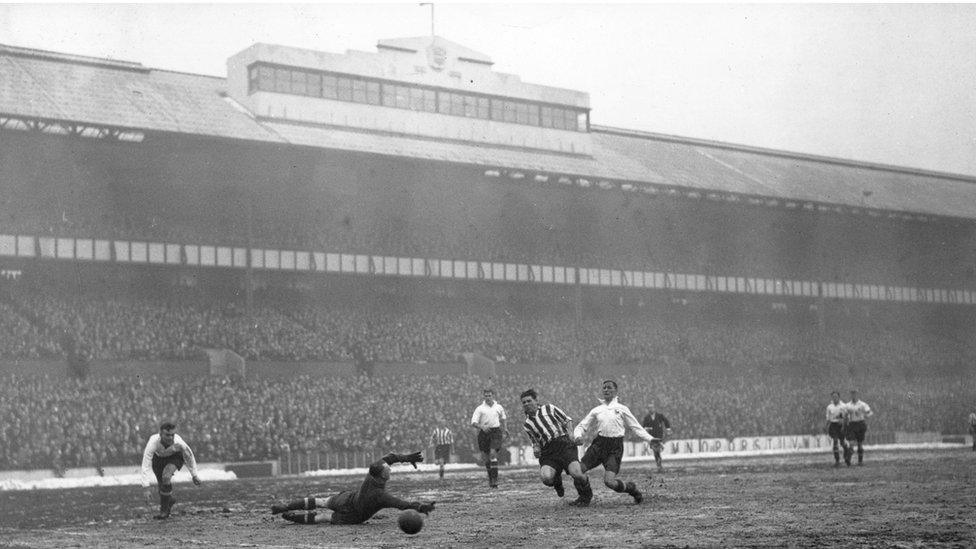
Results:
[167, 476]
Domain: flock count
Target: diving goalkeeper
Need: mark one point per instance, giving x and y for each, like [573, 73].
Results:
[354, 507]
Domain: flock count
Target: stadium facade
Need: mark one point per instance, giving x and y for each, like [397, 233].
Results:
[430, 104]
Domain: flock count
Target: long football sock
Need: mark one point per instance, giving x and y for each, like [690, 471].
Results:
[619, 486]
[631, 489]
[165, 499]
[493, 471]
[300, 517]
[583, 489]
[294, 505]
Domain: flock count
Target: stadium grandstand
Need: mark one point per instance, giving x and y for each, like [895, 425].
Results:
[327, 215]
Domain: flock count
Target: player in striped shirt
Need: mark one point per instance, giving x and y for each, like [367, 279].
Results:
[858, 412]
[549, 427]
[837, 428]
[441, 439]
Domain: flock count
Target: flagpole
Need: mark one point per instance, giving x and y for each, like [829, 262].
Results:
[431, 4]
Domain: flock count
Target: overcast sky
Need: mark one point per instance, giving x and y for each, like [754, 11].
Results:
[888, 83]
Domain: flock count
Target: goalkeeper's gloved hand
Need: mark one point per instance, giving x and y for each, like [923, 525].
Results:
[426, 508]
[412, 459]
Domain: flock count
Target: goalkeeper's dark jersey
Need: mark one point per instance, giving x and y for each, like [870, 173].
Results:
[356, 507]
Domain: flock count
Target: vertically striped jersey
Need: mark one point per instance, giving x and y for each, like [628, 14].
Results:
[441, 436]
[546, 424]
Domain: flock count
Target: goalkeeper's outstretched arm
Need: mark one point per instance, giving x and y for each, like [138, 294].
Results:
[376, 469]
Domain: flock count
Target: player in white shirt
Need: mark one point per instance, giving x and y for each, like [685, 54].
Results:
[611, 420]
[489, 419]
[166, 452]
[858, 412]
[837, 428]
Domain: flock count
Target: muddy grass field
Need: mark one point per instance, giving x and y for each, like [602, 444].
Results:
[897, 499]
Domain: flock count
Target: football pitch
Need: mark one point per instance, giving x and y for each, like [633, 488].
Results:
[897, 499]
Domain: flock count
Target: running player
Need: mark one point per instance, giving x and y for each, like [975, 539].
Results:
[489, 419]
[441, 439]
[610, 420]
[165, 453]
[658, 426]
[858, 413]
[548, 427]
[354, 507]
[837, 414]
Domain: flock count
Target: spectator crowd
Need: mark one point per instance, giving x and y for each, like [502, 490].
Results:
[431, 329]
[62, 422]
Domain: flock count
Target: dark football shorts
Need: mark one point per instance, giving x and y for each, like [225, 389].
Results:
[442, 451]
[856, 430]
[836, 430]
[343, 506]
[160, 463]
[605, 451]
[490, 440]
[559, 453]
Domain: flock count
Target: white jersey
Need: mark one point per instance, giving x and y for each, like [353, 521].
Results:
[488, 417]
[612, 420]
[836, 413]
[859, 411]
[155, 447]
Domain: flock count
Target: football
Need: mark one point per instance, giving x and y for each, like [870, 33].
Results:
[410, 521]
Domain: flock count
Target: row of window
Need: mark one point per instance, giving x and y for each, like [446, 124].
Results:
[225, 256]
[376, 92]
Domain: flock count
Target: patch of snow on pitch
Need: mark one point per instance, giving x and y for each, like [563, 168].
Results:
[115, 480]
